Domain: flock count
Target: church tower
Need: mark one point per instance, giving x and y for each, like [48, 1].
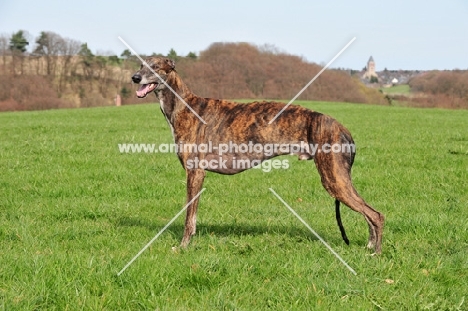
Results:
[370, 72]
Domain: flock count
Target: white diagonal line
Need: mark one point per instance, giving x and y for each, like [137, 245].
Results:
[315, 233]
[159, 233]
[313, 79]
[162, 80]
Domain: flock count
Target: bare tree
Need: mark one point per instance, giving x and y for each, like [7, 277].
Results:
[68, 49]
[4, 48]
[49, 45]
[101, 64]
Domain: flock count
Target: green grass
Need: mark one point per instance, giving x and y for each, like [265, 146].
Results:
[401, 89]
[74, 211]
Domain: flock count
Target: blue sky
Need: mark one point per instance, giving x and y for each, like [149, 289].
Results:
[398, 34]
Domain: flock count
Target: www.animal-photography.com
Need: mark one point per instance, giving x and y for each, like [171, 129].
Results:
[233, 156]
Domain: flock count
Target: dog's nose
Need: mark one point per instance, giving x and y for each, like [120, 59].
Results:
[136, 78]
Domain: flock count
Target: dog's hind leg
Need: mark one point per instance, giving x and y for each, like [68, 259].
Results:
[334, 169]
[195, 180]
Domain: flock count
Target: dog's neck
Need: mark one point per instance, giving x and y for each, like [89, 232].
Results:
[170, 103]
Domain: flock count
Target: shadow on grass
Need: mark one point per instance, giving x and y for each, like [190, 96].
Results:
[298, 232]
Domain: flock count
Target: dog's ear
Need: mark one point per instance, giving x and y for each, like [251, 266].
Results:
[171, 63]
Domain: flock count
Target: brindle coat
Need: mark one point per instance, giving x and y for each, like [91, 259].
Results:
[243, 123]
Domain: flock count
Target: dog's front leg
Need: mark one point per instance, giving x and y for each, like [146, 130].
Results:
[195, 179]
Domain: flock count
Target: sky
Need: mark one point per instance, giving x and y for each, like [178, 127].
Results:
[399, 34]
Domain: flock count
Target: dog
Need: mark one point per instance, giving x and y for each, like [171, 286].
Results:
[201, 121]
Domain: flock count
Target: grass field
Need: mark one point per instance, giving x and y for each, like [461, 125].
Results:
[401, 89]
[74, 211]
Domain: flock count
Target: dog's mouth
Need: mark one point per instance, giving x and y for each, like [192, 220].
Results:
[145, 89]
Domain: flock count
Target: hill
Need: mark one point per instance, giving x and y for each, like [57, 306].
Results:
[242, 70]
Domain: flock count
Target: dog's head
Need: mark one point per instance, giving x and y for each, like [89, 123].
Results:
[148, 80]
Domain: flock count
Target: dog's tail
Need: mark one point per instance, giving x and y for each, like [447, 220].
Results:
[340, 224]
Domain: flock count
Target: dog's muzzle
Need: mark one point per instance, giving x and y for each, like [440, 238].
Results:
[144, 88]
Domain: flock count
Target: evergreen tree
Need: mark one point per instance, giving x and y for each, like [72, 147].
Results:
[173, 55]
[42, 44]
[18, 42]
[192, 55]
[126, 54]
[85, 51]
[86, 54]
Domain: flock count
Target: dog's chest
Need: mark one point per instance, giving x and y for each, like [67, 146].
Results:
[161, 104]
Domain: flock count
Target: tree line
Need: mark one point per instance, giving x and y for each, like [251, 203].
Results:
[68, 72]
[52, 71]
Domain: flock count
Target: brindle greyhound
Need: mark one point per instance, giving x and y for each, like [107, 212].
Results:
[243, 123]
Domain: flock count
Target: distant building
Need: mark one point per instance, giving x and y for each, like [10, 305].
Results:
[370, 69]
[384, 78]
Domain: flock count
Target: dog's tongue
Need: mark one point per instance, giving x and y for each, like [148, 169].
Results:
[143, 90]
